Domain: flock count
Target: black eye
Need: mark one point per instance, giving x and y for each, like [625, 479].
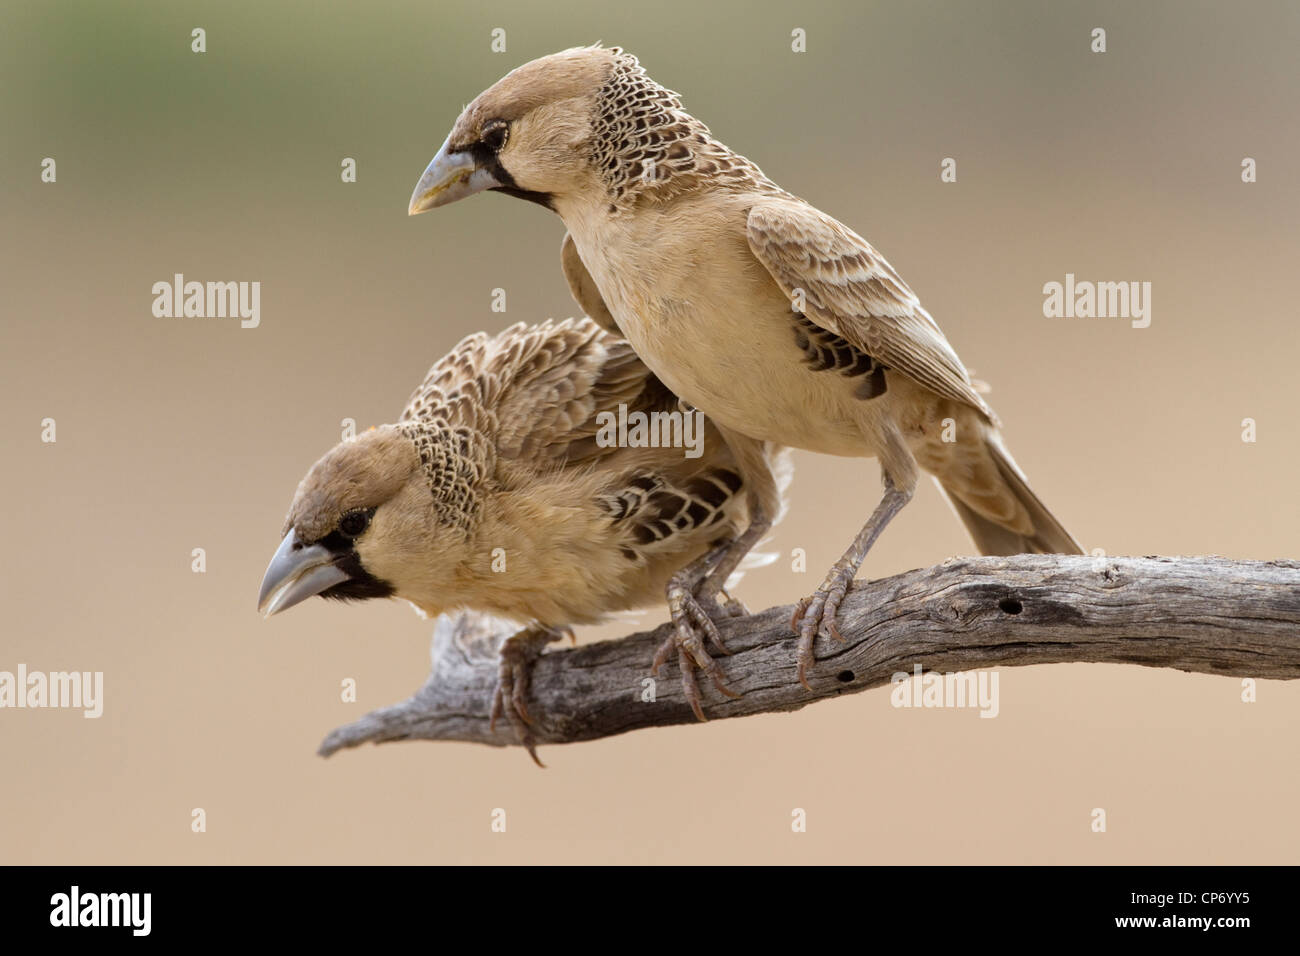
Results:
[354, 523]
[495, 135]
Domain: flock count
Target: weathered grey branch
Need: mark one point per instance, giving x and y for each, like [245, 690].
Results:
[1204, 614]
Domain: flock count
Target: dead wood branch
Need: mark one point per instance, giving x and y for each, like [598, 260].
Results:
[1204, 614]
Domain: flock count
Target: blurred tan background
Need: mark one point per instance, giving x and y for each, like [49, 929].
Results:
[182, 433]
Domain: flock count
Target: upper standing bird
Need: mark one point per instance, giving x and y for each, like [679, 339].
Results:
[777, 321]
[499, 454]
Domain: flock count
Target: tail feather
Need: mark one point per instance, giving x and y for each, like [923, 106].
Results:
[1048, 535]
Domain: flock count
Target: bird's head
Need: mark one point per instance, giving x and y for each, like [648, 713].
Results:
[581, 123]
[361, 526]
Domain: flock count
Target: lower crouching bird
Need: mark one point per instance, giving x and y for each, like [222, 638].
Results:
[501, 488]
[779, 322]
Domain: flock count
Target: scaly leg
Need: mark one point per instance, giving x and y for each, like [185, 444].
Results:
[693, 629]
[518, 655]
[694, 607]
[821, 607]
[716, 581]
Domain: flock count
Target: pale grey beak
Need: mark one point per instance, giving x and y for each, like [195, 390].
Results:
[450, 176]
[295, 574]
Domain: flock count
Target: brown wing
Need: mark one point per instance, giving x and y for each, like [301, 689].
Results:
[534, 392]
[849, 289]
[555, 380]
[583, 287]
[658, 508]
[444, 384]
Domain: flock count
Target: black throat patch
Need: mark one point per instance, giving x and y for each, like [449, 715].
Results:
[361, 584]
[485, 158]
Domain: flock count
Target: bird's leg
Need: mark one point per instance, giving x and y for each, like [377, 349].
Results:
[693, 629]
[694, 607]
[715, 582]
[820, 608]
[516, 659]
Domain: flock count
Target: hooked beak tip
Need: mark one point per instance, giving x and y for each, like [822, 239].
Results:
[295, 574]
[421, 200]
[451, 175]
[421, 204]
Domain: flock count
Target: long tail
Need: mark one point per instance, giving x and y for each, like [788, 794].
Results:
[1001, 512]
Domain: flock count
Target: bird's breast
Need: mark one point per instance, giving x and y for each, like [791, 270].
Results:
[713, 325]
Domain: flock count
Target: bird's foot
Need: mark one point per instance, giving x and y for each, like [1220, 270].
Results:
[693, 630]
[818, 610]
[517, 658]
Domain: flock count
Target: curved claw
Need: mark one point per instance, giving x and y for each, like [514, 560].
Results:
[810, 616]
[816, 612]
[531, 747]
[804, 651]
[724, 690]
[495, 712]
[514, 673]
[693, 631]
[799, 610]
[705, 623]
[661, 656]
[691, 687]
